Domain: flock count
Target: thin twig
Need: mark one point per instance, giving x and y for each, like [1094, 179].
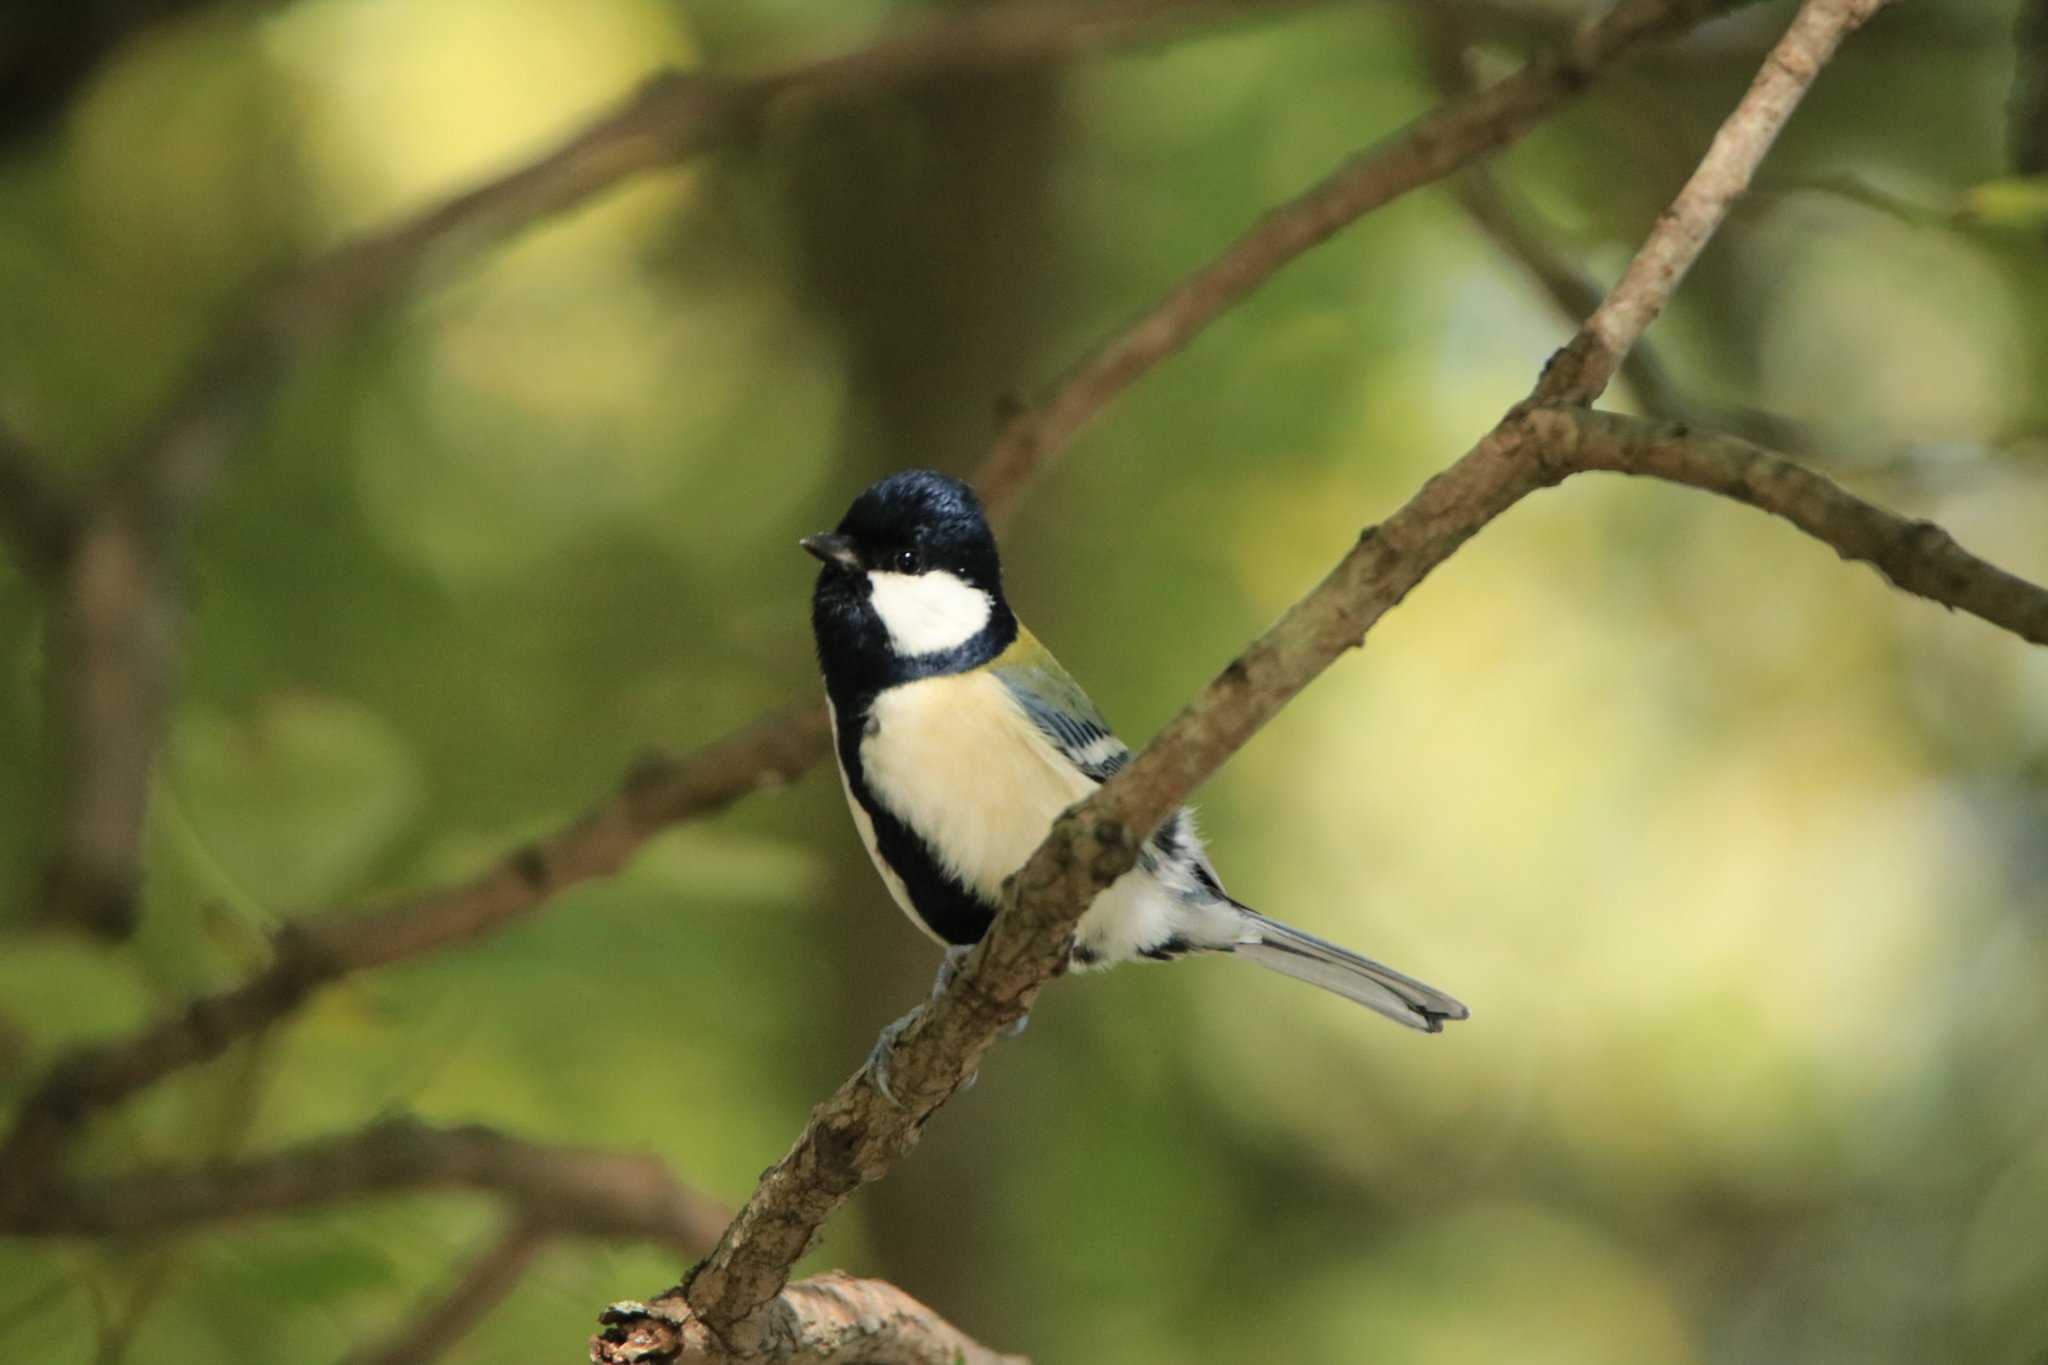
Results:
[1915, 556]
[488, 1282]
[1580, 372]
[678, 115]
[1513, 227]
[562, 1189]
[113, 646]
[122, 1319]
[1510, 223]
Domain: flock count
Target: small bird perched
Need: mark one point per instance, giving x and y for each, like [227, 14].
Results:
[960, 740]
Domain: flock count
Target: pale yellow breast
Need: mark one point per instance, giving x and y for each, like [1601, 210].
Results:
[958, 761]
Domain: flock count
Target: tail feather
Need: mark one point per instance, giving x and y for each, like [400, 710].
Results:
[1305, 957]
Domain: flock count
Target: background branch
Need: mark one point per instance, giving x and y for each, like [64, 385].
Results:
[558, 1189]
[1425, 151]
[113, 646]
[1516, 228]
[313, 952]
[679, 115]
[488, 1282]
[2027, 107]
[1510, 223]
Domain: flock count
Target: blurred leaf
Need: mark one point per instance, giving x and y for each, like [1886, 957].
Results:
[58, 992]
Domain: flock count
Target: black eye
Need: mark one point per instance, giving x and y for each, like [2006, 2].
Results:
[909, 561]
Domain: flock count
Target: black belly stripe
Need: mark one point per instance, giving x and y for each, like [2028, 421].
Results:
[951, 911]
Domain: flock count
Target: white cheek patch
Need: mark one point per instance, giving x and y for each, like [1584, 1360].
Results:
[928, 613]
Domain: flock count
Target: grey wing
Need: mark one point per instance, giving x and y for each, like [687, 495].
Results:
[1062, 712]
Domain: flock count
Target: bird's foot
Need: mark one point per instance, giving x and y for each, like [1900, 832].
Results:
[949, 967]
[877, 1064]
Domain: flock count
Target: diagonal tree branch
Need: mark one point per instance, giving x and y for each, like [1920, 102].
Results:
[314, 952]
[855, 1135]
[558, 1189]
[784, 744]
[488, 1282]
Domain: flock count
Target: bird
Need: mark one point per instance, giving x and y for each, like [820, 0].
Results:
[960, 740]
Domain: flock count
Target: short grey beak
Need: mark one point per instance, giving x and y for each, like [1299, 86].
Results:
[832, 549]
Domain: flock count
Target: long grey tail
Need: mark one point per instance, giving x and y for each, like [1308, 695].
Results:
[1305, 957]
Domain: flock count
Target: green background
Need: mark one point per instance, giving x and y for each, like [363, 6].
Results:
[1737, 855]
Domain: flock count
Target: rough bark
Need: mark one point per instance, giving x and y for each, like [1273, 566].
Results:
[829, 1319]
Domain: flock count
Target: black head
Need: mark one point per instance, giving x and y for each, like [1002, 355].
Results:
[911, 586]
[914, 522]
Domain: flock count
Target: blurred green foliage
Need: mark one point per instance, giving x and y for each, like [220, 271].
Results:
[1738, 857]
